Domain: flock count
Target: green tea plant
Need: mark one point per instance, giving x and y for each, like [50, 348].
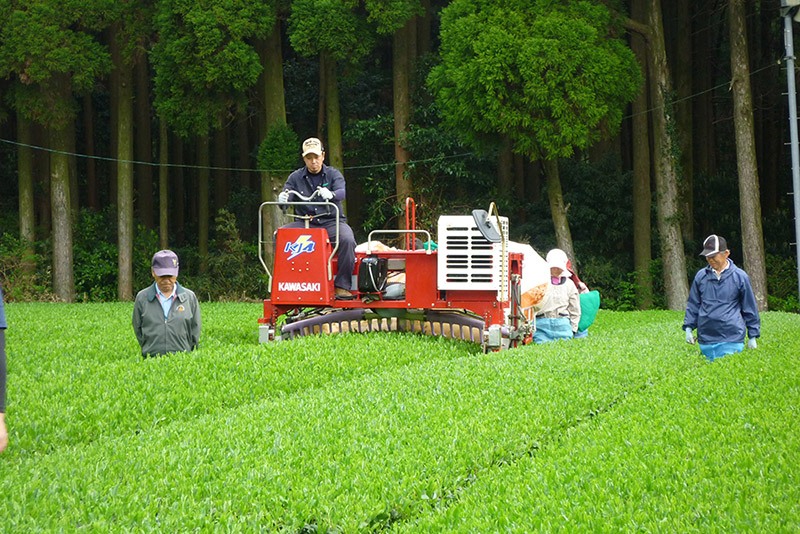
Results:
[355, 432]
[714, 448]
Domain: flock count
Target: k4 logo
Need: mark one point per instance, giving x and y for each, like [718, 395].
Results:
[303, 244]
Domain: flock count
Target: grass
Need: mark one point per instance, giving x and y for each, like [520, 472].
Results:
[629, 429]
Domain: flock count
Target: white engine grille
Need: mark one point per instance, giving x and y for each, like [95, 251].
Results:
[466, 260]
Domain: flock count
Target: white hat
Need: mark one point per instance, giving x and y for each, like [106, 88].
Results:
[557, 258]
[312, 145]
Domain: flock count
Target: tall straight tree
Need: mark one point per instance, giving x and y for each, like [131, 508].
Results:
[683, 113]
[274, 95]
[130, 28]
[549, 76]
[398, 18]
[749, 199]
[668, 201]
[642, 194]
[204, 64]
[27, 219]
[49, 47]
[122, 77]
[668, 210]
[333, 31]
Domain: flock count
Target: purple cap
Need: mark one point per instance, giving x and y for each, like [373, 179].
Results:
[165, 263]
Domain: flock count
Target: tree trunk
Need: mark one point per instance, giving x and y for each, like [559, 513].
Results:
[275, 115]
[243, 162]
[222, 175]
[274, 93]
[63, 273]
[505, 169]
[669, 223]
[683, 115]
[178, 190]
[705, 161]
[642, 194]
[93, 194]
[333, 119]
[41, 192]
[73, 171]
[401, 87]
[557, 209]
[124, 144]
[770, 115]
[27, 218]
[423, 28]
[163, 185]
[749, 202]
[203, 161]
[144, 144]
[518, 192]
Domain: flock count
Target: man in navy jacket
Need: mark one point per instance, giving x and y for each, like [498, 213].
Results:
[325, 184]
[722, 305]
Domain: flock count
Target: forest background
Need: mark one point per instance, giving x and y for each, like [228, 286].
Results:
[622, 132]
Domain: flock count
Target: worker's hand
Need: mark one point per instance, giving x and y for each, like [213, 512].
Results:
[751, 343]
[3, 433]
[283, 197]
[324, 193]
[689, 336]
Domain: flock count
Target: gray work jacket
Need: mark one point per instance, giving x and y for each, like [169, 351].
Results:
[180, 332]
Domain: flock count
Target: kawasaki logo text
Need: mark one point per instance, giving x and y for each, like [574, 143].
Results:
[299, 286]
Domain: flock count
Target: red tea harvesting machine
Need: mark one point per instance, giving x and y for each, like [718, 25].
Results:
[468, 284]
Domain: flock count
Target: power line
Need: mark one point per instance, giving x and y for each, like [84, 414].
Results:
[355, 167]
[232, 169]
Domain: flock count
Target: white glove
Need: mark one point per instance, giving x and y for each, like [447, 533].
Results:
[689, 336]
[751, 343]
[283, 197]
[324, 193]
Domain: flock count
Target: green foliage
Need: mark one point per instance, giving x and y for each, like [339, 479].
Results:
[49, 48]
[277, 153]
[782, 284]
[336, 28]
[97, 260]
[95, 256]
[686, 448]
[203, 60]
[24, 271]
[355, 432]
[551, 78]
[448, 177]
[233, 272]
[391, 15]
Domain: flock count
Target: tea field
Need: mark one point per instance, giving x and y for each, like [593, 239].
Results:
[629, 429]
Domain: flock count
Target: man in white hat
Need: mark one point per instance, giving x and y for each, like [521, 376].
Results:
[326, 184]
[722, 305]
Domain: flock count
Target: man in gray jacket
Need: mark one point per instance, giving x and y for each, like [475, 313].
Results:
[166, 315]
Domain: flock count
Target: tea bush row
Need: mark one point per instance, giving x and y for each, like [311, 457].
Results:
[362, 432]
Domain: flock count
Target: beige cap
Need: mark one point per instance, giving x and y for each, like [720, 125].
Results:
[312, 145]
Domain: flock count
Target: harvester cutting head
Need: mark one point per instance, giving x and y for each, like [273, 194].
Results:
[467, 288]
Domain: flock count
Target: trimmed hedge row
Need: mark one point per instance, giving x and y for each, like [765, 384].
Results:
[715, 448]
[363, 432]
[77, 373]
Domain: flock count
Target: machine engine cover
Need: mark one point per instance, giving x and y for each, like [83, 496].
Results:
[372, 274]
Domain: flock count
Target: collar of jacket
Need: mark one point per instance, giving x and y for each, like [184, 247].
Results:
[322, 174]
[180, 293]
